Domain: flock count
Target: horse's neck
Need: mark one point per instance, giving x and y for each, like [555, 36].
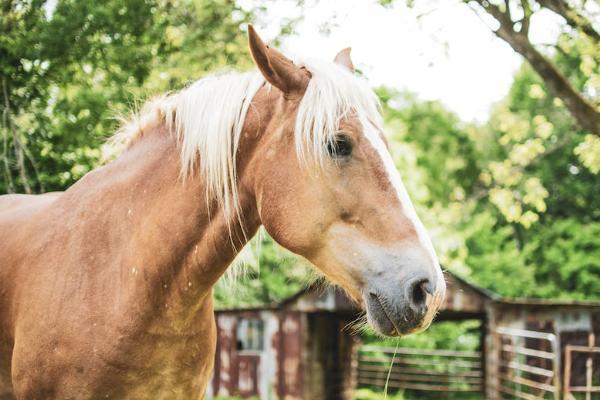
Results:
[167, 235]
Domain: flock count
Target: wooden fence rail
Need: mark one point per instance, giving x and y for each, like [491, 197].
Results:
[589, 389]
[420, 369]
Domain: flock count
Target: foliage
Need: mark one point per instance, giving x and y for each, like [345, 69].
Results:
[265, 274]
[563, 255]
[536, 133]
[501, 198]
[588, 152]
[69, 71]
[60, 76]
[495, 259]
[547, 201]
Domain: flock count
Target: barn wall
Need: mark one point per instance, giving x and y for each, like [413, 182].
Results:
[224, 375]
[245, 373]
[330, 354]
[306, 356]
[268, 370]
[289, 355]
[562, 318]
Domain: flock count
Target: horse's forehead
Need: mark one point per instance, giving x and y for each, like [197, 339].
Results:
[368, 133]
[383, 163]
[371, 131]
[361, 124]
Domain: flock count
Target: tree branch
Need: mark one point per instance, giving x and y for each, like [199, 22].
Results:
[507, 11]
[35, 169]
[9, 182]
[526, 17]
[574, 19]
[583, 111]
[17, 144]
[503, 17]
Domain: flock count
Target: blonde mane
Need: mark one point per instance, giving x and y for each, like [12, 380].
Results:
[207, 117]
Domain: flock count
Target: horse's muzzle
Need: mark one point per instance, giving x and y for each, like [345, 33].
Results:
[395, 310]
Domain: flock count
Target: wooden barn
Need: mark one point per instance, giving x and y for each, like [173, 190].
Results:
[299, 349]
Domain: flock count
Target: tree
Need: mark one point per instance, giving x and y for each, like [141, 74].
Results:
[513, 19]
[61, 70]
[507, 199]
[67, 72]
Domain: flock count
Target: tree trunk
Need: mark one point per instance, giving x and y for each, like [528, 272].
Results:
[18, 146]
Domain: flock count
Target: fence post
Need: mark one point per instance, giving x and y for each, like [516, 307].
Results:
[589, 367]
[555, 345]
[492, 357]
[567, 378]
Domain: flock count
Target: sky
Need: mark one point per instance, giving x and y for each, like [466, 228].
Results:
[448, 54]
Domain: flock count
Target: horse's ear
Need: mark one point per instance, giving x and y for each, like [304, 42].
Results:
[277, 69]
[343, 59]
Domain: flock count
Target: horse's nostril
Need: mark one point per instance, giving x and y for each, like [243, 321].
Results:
[418, 292]
[427, 286]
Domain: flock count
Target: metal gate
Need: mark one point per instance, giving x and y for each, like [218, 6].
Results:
[529, 365]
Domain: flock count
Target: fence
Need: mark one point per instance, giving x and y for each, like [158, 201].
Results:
[589, 388]
[420, 369]
[528, 364]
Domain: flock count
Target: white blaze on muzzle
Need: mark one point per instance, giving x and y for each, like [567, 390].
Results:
[373, 135]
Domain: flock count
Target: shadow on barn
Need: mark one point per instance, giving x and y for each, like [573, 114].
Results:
[301, 349]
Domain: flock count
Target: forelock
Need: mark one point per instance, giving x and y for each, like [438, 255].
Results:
[333, 92]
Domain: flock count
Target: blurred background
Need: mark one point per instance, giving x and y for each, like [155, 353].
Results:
[491, 112]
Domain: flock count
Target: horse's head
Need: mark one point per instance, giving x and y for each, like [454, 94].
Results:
[328, 190]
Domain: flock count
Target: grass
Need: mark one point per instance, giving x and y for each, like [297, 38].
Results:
[368, 394]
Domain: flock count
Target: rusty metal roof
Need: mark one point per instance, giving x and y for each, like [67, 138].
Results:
[549, 302]
[481, 290]
[316, 290]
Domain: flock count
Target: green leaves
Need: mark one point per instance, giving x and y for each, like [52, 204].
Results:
[588, 152]
[565, 255]
[502, 199]
[269, 274]
[70, 70]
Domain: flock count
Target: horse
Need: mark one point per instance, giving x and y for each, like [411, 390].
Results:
[106, 289]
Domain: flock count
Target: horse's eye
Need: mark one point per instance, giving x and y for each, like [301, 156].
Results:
[340, 147]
